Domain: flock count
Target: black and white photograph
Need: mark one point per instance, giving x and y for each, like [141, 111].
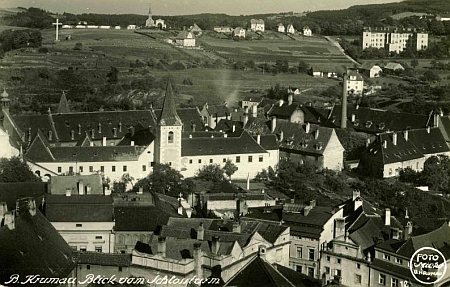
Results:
[201, 143]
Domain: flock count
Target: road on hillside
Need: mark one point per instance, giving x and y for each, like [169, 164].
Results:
[340, 49]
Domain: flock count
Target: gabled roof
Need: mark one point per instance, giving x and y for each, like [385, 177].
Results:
[393, 66]
[317, 216]
[34, 247]
[258, 272]
[185, 35]
[402, 151]
[439, 239]
[295, 137]
[283, 112]
[84, 123]
[257, 21]
[39, 149]
[218, 110]
[375, 120]
[79, 208]
[59, 184]
[169, 116]
[243, 144]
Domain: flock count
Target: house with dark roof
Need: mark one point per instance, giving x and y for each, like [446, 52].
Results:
[86, 222]
[392, 152]
[30, 245]
[310, 227]
[138, 216]
[346, 258]
[249, 101]
[184, 39]
[391, 263]
[188, 247]
[259, 272]
[10, 192]
[355, 82]
[290, 29]
[77, 184]
[281, 28]
[371, 70]
[212, 114]
[239, 32]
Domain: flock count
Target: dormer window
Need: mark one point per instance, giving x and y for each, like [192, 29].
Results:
[368, 124]
[381, 126]
[170, 137]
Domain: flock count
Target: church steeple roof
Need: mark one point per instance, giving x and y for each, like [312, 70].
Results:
[63, 107]
[169, 116]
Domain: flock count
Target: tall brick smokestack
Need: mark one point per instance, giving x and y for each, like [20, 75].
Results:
[344, 102]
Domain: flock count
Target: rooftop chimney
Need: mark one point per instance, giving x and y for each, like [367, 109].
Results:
[10, 220]
[274, 124]
[385, 143]
[353, 118]
[120, 127]
[357, 203]
[408, 230]
[79, 129]
[387, 217]
[114, 132]
[394, 138]
[254, 111]
[312, 203]
[80, 187]
[245, 119]
[132, 143]
[68, 192]
[307, 128]
[344, 102]
[162, 246]
[88, 189]
[99, 128]
[306, 210]
[50, 135]
[180, 208]
[215, 245]
[200, 232]
[236, 227]
[428, 129]
[198, 272]
[281, 136]
[435, 120]
[189, 212]
[193, 127]
[3, 210]
[258, 139]
[234, 128]
[316, 134]
[72, 134]
[225, 135]
[280, 103]
[406, 135]
[248, 181]
[290, 99]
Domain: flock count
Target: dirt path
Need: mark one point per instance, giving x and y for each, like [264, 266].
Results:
[340, 49]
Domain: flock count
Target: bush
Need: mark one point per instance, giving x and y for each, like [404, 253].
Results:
[78, 46]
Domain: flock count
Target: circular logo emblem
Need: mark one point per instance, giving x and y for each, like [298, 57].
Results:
[428, 265]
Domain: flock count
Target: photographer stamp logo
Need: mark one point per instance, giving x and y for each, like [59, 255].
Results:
[428, 265]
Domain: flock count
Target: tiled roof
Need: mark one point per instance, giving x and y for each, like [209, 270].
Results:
[391, 268]
[283, 112]
[269, 231]
[59, 184]
[445, 120]
[428, 142]
[299, 279]
[103, 259]
[374, 120]
[82, 123]
[218, 110]
[141, 137]
[257, 21]
[439, 239]
[178, 249]
[219, 145]
[34, 247]
[11, 191]
[259, 273]
[140, 218]
[296, 138]
[317, 216]
[184, 35]
[393, 66]
[183, 233]
[79, 208]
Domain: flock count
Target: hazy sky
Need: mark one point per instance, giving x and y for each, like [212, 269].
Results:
[185, 7]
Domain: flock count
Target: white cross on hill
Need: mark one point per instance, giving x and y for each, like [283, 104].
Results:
[57, 24]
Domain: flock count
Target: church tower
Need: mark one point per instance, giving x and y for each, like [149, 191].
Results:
[150, 22]
[168, 133]
[63, 107]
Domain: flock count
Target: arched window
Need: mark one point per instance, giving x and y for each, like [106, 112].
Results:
[170, 137]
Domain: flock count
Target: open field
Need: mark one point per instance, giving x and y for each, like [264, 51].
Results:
[102, 49]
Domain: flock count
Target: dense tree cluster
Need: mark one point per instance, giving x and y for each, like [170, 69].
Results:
[32, 18]
[16, 170]
[16, 39]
